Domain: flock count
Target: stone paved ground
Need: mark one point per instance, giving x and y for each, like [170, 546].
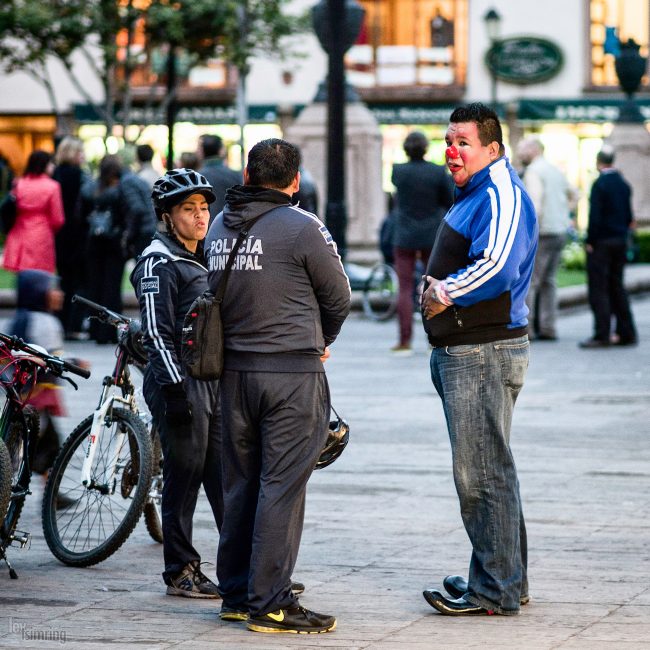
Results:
[382, 523]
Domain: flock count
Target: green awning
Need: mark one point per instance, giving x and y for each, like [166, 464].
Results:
[86, 114]
[576, 110]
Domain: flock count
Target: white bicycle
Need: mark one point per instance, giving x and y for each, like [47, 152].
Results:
[110, 467]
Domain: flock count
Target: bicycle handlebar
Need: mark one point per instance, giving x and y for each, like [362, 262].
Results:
[55, 364]
[102, 313]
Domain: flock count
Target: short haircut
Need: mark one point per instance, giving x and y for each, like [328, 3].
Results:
[37, 162]
[189, 160]
[606, 156]
[68, 150]
[144, 152]
[416, 145]
[211, 145]
[110, 169]
[273, 163]
[486, 120]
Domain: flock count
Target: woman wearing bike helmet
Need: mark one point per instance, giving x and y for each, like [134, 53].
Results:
[167, 278]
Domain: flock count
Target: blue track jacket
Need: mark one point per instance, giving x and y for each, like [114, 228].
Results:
[485, 250]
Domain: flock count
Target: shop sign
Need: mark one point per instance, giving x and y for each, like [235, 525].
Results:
[413, 113]
[524, 59]
[86, 113]
[579, 110]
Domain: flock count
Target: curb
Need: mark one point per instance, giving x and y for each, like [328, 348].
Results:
[637, 280]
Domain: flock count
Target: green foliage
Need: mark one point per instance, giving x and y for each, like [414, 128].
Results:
[642, 241]
[574, 256]
[30, 30]
[196, 25]
[233, 30]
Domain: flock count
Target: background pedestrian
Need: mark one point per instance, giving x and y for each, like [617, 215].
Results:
[146, 171]
[71, 239]
[553, 198]
[424, 193]
[105, 209]
[212, 155]
[610, 221]
[39, 216]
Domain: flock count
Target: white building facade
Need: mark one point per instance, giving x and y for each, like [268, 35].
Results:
[413, 62]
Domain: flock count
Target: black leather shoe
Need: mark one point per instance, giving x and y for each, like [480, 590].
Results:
[626, 342]
[454, 607]
[592, 344]
[456, 587]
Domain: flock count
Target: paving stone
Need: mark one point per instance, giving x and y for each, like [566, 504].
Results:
[383, 522]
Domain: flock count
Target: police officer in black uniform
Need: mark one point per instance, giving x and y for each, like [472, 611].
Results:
[286, 299]
[167, 278]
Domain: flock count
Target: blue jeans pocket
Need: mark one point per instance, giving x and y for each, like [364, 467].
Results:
[461, 350]
[513, 358]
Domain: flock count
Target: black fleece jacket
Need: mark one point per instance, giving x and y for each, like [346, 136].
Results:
[287, 295]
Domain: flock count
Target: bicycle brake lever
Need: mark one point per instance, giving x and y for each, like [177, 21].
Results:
[70, 382]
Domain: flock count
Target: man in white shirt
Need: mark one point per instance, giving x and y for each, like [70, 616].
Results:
[553, 198]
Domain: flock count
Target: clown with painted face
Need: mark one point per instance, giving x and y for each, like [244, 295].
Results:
[475, 317]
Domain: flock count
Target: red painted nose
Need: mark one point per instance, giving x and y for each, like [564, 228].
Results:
[452, 152]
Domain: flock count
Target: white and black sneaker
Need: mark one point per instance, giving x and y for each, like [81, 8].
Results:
[191, 582]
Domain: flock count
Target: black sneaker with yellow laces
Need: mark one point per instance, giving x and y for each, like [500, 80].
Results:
[295, 620]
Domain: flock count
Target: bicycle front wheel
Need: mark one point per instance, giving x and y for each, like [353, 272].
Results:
[85, 524]
[153, 505]
[380, 292]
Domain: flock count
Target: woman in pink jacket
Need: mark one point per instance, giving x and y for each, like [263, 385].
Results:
[30, 243]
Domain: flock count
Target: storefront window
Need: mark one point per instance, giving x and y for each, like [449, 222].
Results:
[612, 22]
[410, 43]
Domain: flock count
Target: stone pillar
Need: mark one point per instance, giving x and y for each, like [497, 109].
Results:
[631, 144]
[366, 202]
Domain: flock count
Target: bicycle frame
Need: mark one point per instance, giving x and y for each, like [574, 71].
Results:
[121, 379]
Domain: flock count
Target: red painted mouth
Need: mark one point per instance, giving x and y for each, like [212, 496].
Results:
[453, 167]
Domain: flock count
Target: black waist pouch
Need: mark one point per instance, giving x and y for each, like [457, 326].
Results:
[202, 340]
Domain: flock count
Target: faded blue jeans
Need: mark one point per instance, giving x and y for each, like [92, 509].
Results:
[479, 384]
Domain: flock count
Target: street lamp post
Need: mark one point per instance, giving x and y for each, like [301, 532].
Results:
[172, 106]
[336, 24]
[492, 21]
[336, 212]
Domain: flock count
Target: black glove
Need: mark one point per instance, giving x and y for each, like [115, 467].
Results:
[178, 412]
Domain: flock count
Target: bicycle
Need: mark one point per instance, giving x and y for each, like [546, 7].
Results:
[379, 286]
[19, 429]
[109, 469]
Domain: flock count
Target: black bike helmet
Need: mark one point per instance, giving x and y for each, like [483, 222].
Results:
[337, 439]
[131, 341]
[177, 184]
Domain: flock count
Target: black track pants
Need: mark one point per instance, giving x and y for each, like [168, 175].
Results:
[275, 426]
[187, 464]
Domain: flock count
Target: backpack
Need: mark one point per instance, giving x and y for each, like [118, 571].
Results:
[8, 211]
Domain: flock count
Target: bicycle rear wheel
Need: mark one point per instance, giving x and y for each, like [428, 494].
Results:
[84, 525]
[153, 504]
[5, 479]
[380, 292]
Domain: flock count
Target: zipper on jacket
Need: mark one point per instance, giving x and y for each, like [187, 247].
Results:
[459, 320]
